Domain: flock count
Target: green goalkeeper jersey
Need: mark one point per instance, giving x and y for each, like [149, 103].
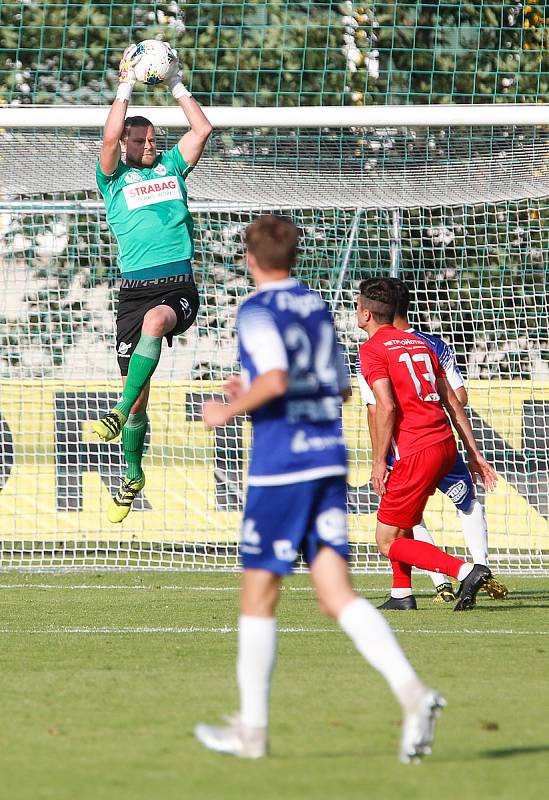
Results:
[147, 212]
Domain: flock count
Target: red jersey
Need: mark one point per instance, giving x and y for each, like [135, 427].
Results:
[413, 369]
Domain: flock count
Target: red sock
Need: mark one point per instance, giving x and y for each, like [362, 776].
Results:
[402, 575]
[424, 556]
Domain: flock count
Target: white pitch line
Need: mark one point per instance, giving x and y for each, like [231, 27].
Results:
[85, 587]
[57, 586]
[117, 587]
[224, 630]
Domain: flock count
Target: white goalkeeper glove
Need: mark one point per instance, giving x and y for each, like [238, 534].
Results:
[126, 73]
[173, 78]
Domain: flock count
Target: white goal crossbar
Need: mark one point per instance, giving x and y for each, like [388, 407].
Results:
[289, 117]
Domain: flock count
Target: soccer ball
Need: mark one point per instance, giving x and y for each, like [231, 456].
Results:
[156, 59]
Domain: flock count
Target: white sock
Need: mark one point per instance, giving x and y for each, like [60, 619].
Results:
[398, 594]
[464, 570]
[475, 534]
[256, 659]
[422, 535]
[376, 642]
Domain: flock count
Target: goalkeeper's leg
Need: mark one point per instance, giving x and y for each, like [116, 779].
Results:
[133, 440]
[157, 322]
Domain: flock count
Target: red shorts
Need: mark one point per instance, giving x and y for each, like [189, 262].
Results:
[412, 481]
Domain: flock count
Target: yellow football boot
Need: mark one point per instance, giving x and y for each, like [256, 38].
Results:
[110, 426]
[495, 589]
[444, 594]
[122, 502]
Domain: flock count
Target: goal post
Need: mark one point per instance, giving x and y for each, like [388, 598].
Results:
[454, 199]
[36, 116]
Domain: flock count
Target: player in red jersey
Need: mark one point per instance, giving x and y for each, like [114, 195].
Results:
[411, 388]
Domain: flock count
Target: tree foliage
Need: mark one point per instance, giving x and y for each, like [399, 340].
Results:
[268, 52]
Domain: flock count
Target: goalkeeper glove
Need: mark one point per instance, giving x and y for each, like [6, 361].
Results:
[126, 73]
[173, 78]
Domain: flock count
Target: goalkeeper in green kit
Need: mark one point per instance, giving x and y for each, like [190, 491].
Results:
[146, 201]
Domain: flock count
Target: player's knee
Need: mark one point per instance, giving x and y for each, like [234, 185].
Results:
[326, 606]
[384, 547]
[258, 606]
[259, 598]
[331, 603]
[157, 322]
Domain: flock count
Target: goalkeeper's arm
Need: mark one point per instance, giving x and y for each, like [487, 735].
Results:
[114, 126]
[191, 143]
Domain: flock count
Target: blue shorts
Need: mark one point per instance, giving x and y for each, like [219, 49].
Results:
[458, 485]
[280, 522]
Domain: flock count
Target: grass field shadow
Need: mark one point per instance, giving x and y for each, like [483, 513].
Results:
[530, 594]
[324, 755]
[507, 606]
[509, 752]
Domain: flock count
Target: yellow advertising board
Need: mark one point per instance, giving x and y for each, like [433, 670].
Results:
[55, 479]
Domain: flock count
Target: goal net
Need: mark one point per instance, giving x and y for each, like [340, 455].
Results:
[456, 206]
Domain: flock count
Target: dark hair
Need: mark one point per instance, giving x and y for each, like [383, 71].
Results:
[273, 241]
[135, 122]
[403, 297]
[379, 296]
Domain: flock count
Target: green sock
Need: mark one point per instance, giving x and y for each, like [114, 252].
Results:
[133, 438]
[142, 364]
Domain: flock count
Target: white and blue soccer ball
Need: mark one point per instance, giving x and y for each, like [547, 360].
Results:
[154, 62]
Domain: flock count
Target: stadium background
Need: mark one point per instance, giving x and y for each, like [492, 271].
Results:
[103, 674]
[479, 269]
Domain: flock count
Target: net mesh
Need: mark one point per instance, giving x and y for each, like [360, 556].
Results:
[479, 272]
[324, 168]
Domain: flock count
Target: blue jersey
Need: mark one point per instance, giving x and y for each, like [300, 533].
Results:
[297, 437]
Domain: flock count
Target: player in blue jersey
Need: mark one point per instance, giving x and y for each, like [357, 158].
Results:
[292, 384]
[457, 485]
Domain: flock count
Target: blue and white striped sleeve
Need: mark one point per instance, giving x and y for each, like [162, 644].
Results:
[448, 361]
[261, 339]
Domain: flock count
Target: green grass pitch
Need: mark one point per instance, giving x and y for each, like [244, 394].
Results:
[104, 675]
